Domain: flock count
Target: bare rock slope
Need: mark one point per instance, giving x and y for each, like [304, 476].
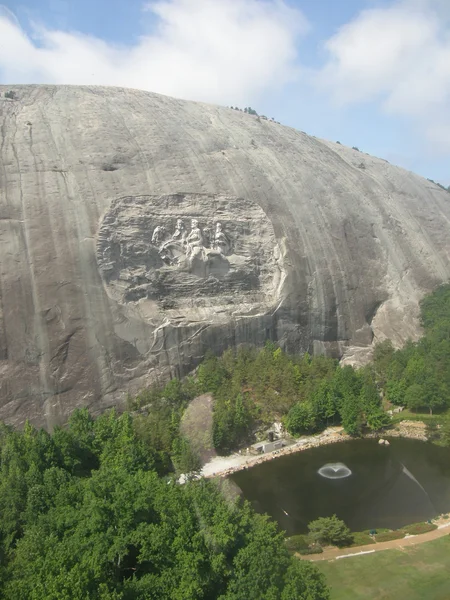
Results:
[137, 231]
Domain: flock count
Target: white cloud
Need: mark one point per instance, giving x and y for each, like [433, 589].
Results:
[225, 51]
[400, 57]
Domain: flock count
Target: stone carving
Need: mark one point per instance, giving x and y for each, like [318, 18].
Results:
[221, 241]
[180, 232]
[192, 251]
[204, 263]
[159, 235]
[207, 235]
[172, 251]
[194, 241]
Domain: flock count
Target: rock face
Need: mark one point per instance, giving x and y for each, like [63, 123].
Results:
[138, 231]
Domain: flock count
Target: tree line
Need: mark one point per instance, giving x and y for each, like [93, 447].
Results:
[253, 388]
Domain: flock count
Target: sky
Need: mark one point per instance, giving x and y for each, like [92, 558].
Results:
[369, 73]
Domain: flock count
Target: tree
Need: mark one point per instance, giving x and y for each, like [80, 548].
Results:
[300, 419]
[330, 530]
[211, 375]
[264, 571]
[435, 308]
[304, 582]
[119, 533]
[377, 419]
[444, 433]
[346, 383]
[395, 391]
[383, 355]
[351, 414]
[185, 458]
[369, 395]
[415, 396]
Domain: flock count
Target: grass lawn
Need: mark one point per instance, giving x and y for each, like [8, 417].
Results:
[419, 572]
[408, 415]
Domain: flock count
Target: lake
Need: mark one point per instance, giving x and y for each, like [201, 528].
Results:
[367, 485]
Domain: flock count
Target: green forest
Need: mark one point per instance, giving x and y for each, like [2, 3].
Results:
[95, 510]
[92, 512]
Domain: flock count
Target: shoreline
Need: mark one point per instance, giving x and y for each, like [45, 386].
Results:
[335, 553]
[223, 466]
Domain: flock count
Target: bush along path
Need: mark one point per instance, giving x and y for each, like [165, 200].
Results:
[443, 528]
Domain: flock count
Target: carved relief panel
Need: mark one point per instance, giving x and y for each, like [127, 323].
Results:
[189, 250]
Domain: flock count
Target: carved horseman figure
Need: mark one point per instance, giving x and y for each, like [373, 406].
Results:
[158, 235]
[194, 240]
[174, 249]
[221, 241]
[180, 232]
[195, 251]
[208, 237]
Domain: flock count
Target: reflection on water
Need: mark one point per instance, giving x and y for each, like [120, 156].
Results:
[334, 471]
[365, 484]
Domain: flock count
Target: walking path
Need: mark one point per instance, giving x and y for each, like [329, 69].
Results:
[411, 540]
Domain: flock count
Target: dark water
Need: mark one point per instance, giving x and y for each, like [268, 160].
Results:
[390, 486]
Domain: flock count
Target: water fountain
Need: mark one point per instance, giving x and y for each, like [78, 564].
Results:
[334, 471]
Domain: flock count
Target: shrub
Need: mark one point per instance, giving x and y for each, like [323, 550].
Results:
[447, 189]
[314, 549]
[377, 530]
[330, 530]
[390, 535]
[356, 148]
[417, 528]
[10, 94]
[361, 538]
[297, 543]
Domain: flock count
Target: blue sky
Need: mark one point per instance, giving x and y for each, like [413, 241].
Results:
[372, 74]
